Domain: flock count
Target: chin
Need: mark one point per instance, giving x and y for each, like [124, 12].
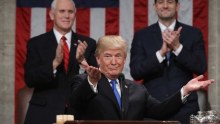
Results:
[114, 74]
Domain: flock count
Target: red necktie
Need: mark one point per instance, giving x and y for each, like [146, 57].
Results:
[65, 53]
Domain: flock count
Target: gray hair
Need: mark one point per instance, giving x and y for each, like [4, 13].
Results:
[54, 2]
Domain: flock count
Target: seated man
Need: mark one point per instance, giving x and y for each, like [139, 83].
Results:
[104, 94]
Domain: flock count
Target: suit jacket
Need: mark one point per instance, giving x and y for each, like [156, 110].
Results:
[162, 80]
[137, 103]
[51, 91]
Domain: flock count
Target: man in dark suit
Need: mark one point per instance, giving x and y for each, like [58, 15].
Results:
[165, 56]
[44, 67]
[105, 94]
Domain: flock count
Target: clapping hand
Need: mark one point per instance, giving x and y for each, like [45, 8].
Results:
[172, 38]
[81, 48]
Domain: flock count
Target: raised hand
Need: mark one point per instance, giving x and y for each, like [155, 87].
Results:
[164, 49]
[59, 55]
[172, 38]
[94, 74]
[196, 84]
[81, 48]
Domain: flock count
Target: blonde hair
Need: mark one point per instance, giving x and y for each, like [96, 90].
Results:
[111, 42]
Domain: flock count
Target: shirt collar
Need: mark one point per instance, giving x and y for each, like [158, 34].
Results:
[111, 80]
[163, 27]
[59, 35]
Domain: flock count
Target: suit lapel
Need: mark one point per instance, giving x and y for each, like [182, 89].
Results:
[157, 35]
[125, 99]
[105, 89]
[52, 43]
[72, 55]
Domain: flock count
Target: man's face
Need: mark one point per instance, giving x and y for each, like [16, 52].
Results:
[166, 9]
[63, 16]
[111, 62]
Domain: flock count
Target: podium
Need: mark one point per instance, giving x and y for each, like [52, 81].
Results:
[119, 122]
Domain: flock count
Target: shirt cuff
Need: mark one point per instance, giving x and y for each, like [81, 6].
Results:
[159, 57]
[81, 69]
[183, 97]
[178, 50]
[93, 86]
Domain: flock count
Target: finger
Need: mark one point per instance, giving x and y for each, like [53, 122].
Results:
[210, 81]
[168, 34]
[89, 70]
[60, 47]
[176, 33]
[172, 37]
[199, 77]
[207, 83]
[179, 30]
[168, 31]
[165, 31]
[94, 72]
[61, 43]
[84, 42]
[79, 41]
[167, 38]
[81, 48]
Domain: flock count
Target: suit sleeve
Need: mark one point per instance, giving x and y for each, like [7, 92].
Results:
[81, 94]
[193, 56]
[90, 53]
[38, 70]
[143, 64]
[163, 110]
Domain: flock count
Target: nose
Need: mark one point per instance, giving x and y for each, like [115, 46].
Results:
[66, 14]
[113, 60]
[165, 4]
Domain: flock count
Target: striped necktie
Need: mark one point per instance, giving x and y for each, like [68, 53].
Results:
[65, 53]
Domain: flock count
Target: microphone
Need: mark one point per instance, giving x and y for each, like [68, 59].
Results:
[121, 79]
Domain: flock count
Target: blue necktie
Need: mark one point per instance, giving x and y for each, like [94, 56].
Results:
[168, 58]
[113, 82]
[167, 30]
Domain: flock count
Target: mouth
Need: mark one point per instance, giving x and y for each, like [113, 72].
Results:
[165, 10]
[113, 69]
[66, 21]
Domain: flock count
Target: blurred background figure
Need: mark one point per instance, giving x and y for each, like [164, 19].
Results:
[52, 60]
[165, 56]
